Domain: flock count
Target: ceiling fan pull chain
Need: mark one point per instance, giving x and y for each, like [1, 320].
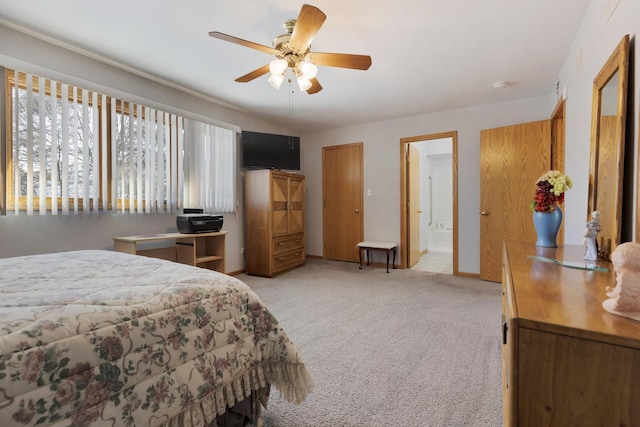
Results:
[290, 112]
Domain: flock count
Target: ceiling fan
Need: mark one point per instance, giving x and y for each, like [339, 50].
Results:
[292, 50]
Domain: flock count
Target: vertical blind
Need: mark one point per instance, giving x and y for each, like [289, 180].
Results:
[204, 178]
[89, 151]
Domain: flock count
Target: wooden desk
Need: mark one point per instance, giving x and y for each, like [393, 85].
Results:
[565, 360]
[205, 250]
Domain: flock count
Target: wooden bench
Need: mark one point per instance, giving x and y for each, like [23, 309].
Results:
[377, 246]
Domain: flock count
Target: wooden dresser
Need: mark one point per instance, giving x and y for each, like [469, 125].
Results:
[274, 222]
[566, 361]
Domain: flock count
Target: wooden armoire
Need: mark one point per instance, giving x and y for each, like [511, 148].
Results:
[274, 222]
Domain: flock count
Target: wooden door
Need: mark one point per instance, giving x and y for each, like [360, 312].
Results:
[279, 199]
[413, 185]
[511, 160]
[295, 204]
[342, 189]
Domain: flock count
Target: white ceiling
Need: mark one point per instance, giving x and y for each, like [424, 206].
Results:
[428, 55]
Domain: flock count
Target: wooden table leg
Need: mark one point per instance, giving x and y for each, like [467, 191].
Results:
[394, 258]
[388, 250]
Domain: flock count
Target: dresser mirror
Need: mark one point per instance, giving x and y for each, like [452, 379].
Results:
[607, 146]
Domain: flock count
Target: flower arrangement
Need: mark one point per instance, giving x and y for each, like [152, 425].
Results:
[550, 189]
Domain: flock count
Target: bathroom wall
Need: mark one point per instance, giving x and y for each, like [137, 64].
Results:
[436, 201]
[439, 203]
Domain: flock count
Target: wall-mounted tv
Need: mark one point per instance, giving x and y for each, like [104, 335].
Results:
[269, 151]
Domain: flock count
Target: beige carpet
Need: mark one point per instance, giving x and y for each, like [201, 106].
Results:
[408, 348]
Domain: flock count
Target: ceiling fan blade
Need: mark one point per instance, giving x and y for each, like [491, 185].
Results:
[315, 87]
[342, 60]
[241, 42]
[254, 74]
[309, 22]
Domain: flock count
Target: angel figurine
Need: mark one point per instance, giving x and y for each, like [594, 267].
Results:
[590, 237]
[624, 299]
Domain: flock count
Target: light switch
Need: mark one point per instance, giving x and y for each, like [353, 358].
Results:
[368, 191]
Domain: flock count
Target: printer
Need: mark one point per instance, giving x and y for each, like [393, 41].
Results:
[190, 223]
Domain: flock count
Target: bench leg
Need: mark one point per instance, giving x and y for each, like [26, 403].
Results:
[394, 258]
[360, 256]
[388, 259]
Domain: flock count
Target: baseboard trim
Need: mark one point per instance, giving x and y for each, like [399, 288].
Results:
[465, 274]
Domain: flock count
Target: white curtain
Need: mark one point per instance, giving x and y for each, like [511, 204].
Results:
[209, 167]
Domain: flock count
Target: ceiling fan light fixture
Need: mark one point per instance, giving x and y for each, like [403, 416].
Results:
[308, 69]
[303, 83]
[278, 66]
[276, 80]
[293, 50]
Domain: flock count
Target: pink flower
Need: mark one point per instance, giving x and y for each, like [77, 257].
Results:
[175, 342]
[162, 391]
[95, 393]
[111, 347]
[125, 329]
[66, 392]
[24, 415]
[82, 372]
[32, 365]
[86, 417]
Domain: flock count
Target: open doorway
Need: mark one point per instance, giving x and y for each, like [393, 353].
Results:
[429, 206]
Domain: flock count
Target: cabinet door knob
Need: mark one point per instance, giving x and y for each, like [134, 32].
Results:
[484, 213]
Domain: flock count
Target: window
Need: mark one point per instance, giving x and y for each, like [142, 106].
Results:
[71, 149]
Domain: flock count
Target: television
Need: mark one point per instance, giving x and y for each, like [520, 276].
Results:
[269, 151]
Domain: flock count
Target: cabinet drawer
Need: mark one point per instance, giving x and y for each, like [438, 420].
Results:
[287, 243]
[288, 259]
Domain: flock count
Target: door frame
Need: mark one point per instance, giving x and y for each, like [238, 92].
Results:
[404, 221]
[558, 147]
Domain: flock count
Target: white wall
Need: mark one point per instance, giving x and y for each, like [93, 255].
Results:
[382, 168]
[40, 234]
[597, 37]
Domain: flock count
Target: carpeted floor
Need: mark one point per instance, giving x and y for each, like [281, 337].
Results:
[408, 348]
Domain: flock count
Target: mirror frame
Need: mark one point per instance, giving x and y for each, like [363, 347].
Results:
[618, 62]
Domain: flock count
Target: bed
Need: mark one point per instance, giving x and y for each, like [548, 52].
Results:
[93, 338]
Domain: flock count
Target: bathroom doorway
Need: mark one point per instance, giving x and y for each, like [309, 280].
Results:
[436, 188]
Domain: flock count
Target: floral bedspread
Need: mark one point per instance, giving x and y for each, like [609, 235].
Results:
[101, 338]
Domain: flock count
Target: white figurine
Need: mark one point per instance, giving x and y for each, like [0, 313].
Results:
[625, 297]
[590, 237]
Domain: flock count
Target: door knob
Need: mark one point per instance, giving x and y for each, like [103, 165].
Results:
[484, 213]
[419, 211]
[357, 211]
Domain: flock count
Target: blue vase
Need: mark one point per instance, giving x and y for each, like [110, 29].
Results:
[547, 225]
